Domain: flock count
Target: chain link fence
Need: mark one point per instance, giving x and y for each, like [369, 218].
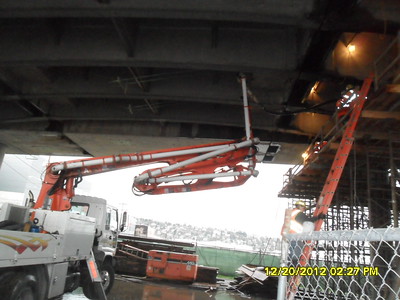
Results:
[350, 264]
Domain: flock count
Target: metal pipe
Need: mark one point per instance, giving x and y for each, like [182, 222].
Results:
[85, 163]
[246, 108]
[143, 177]
[352, 187]
[282, 281]
[393, 172]
[371, 235]
[369, 199]
[130, 157]
[202, 176]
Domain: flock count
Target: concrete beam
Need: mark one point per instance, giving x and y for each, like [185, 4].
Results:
[374, 114]
[176, 85]
[118, 111]
[239, 50]
[293, 12]
[39, 142]
[393, 88]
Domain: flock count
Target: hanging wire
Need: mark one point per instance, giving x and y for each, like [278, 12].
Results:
[16, 171]
[152, 77]
[30, 166]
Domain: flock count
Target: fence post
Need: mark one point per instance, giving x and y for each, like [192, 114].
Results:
[282, 279]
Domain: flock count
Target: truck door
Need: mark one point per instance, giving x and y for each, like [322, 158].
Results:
[111, 230]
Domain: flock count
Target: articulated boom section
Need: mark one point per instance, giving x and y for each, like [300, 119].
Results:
[199, 172]
[195, 167]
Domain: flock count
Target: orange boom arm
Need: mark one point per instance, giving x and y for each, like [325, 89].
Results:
[197, 168]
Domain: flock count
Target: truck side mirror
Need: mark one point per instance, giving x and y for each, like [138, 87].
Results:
[123, 223]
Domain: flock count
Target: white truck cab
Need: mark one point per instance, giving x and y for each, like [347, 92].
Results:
[105, 242]
[44, 253]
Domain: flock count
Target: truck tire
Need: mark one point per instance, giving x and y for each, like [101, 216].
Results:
[21, 286]
[89, 290]
[107, 273]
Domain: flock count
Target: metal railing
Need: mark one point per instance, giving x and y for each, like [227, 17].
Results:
[328, 133]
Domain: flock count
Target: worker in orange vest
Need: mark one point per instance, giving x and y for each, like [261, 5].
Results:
[344, 104]
[296, 221]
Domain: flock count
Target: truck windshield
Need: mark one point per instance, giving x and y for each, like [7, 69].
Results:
[80, 208]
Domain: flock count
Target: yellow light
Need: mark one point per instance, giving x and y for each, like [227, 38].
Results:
[351, 48]
[304, 155]
[315, 87]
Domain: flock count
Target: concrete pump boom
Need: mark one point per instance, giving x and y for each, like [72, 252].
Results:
[199, 166]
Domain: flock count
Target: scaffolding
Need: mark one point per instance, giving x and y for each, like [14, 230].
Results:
[369, 188]
[368, 192]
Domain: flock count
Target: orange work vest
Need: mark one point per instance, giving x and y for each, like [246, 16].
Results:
[291, 225]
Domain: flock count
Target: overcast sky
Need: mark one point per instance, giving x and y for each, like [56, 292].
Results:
[253, 207]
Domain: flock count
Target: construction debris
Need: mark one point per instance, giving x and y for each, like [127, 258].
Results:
[253, 280]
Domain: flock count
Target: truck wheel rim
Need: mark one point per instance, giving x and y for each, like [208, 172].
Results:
[106, 279]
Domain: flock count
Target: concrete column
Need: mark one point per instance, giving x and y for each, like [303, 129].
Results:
[2, 153]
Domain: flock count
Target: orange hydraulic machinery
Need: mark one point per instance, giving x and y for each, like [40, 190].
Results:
[172, 265]
[195, 168]
[334, 175]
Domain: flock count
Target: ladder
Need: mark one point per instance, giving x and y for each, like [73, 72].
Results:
[333, 177]
[132, 251]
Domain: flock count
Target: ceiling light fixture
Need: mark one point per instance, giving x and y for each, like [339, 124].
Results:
[314, 88]
[351, 48]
